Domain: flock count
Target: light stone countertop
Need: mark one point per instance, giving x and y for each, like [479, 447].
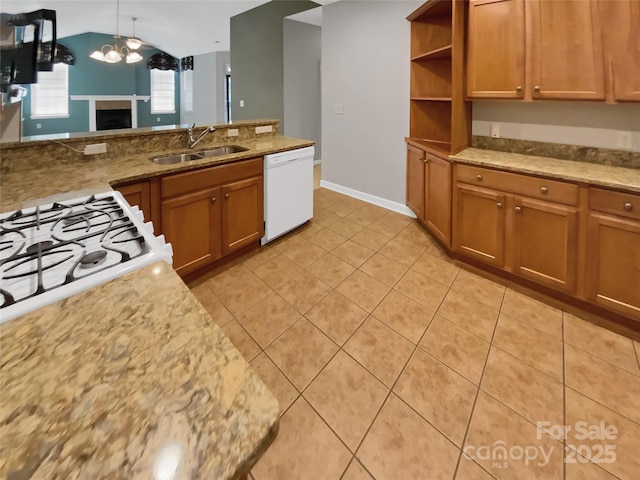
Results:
[63, 181]
[627, 179]
[95, 385]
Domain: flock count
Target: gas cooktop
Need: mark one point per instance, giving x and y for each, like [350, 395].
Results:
[53, 251]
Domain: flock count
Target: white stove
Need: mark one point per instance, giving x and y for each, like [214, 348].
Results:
[54, 251]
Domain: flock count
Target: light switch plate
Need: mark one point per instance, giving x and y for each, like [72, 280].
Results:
[338, 108]
[264, 129]
[495, 130]
[95, 148]
[241, 103]
[232, 132]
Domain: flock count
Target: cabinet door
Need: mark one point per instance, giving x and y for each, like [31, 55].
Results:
[621, 31]
[480, 224]
[438, 198]
[138, 194]
[545, 240]
[496, 49]
[416, 161]
[566, 48]
[613, 266]
[191, 223]
[242, 213]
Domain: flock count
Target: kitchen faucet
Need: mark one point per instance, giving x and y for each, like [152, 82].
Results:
[193, 141]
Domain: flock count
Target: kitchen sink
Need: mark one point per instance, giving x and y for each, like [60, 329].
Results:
[199, 155]
[223, 150]
[176, 158]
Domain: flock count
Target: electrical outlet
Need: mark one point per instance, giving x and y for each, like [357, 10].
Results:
[495, 130]
[95, 148]
[264, 129]
[624, 140]
[38, 126]
[241, 103]
[338, 108]
[232, 132]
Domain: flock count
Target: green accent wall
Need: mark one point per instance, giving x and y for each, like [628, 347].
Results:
[91, 77]
[257, 59]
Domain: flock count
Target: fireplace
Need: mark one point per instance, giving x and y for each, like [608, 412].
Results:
[113, 114]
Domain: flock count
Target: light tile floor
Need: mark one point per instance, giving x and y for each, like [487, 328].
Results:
[388, 361]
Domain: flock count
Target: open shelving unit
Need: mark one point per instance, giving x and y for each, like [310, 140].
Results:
[440, 118]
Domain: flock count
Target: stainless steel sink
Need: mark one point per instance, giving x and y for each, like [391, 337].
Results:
[199, 155]
[176, 158]
[223, 150]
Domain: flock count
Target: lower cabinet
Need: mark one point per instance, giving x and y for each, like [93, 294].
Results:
[533, 238]
[613, 251]
[139, 194]
[210, 213]
[429, 191]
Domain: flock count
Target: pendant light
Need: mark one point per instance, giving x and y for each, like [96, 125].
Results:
[115, 53]
[134, 42]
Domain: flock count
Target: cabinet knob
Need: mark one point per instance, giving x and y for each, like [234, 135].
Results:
[499, 205]
[628, 207]
[213, 199]
[518, 209]
[479, 178]
[519, 88]
[536, 88]
[425, 160]
[544, 190]
[226, 195]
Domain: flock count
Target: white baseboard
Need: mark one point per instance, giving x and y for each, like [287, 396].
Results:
[317, 162]
[366, 197]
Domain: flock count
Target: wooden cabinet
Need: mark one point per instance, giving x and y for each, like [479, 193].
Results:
[242, 214]
[496, 224]
[560, 39]
[212, 212]
[139, 194]
[613, 251]
[479, 230]
[621, 32]
[496, 49]
[429, 191]
[191, 223]
[438, 114]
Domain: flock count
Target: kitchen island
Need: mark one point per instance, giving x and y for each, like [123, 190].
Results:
[133, 378]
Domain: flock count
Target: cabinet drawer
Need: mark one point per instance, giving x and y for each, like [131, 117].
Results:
[616, 203]
[525, 185]
[181, 183]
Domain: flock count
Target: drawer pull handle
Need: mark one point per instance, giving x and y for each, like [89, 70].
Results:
[544, 190]
[519, 88]
[226, 196]
[213, 199]
[518, 209]
[479, 178]
[499, 205]
[628, 207]
[536, 88]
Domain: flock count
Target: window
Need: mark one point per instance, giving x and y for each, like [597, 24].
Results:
[162, 91]
[50, 96]
[187, 91]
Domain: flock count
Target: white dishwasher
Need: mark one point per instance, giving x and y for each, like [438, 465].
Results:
[288, 191]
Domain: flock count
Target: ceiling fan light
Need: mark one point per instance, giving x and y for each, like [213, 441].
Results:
[134, 43]
[97, 55]
[133, 57]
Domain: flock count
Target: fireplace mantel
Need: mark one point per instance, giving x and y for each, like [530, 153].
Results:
[133, 99]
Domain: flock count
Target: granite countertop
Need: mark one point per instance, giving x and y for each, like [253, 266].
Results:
[603, 175]
[58, 181]
[94, 386]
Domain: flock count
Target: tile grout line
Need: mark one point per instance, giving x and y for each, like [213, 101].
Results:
[564, 403]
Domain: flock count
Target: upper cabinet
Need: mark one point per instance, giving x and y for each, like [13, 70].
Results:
[621, 32]
[566, 50]
[440, 118]
[496, 53]
[535, 49]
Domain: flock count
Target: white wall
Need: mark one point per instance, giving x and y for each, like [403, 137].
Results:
[302, 50]
[208, 89]
[593, 124]
[365, 67]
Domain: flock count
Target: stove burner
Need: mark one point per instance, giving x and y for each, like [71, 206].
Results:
[77, 217]
[39, 246]
[93, 259]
